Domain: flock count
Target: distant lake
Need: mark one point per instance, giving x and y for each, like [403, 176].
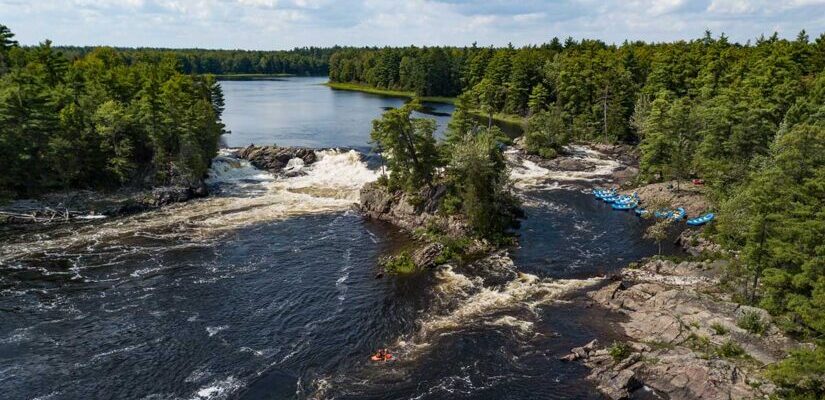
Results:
[301, 111]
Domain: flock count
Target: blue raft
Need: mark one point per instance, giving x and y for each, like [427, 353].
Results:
[662, 214]
[701, 220]
[625, 206]
[680, 214]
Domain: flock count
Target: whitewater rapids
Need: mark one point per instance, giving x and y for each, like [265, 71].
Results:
[245, 196]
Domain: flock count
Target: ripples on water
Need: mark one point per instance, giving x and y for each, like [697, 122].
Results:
[267, 290]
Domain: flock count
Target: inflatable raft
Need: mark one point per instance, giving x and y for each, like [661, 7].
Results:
[625, 205]
[701, 220]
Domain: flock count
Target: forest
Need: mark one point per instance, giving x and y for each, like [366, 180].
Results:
[747, 119]
[100, 121]
[307, 61]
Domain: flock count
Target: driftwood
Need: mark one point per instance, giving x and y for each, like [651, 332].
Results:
[45, 215]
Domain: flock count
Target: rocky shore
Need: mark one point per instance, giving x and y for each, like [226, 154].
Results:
[686, 339]
[85, 205]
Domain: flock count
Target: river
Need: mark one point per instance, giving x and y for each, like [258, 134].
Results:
[267, 289]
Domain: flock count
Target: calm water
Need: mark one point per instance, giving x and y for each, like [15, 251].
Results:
[304, 112]
[267, 289]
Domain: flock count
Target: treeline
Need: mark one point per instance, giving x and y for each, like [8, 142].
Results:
[469, 165]
[748, 119]
[100, 121]
[304, 61]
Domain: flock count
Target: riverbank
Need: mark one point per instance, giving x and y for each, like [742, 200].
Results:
[89, 205]
[251, 77]
[685, 337]
[355, 87]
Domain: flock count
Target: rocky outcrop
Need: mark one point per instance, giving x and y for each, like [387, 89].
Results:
[694, 244]
[409, 212]
[275, 159]
[691, 197]
[683, 336]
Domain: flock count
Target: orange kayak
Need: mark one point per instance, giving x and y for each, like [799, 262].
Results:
[376, 357]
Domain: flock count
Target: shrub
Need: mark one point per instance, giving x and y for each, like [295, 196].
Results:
[400, 264]
[752, 322]
[619, 351]
[801, 375]
[730, 349]
[718, 328]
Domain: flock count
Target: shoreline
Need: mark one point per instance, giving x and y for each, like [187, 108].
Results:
[355, 87]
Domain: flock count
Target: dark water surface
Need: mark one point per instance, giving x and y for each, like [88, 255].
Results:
[267, 290]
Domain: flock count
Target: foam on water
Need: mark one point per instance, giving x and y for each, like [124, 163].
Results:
[527, 174]
[245, 196]
[220, 389]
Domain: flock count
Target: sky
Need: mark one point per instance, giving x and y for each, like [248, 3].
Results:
[285, 24]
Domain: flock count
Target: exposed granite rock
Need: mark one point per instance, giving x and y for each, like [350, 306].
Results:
[425, 256]
[273, 158]
[404, 211]
[694, 244]
[691, 197]
[676, 321]
[86, 205]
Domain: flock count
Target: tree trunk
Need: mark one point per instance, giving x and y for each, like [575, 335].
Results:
[758, 271]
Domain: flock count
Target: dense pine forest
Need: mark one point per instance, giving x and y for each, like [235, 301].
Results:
[99, 121]
[748, 119]
[301, 61]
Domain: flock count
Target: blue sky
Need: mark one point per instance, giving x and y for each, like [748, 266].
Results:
[283, 24]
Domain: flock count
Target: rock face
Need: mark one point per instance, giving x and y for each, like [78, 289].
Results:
[400, 209]
[676, 325]
[274, 159]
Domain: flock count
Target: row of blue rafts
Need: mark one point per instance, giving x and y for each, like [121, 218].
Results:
[633, 202]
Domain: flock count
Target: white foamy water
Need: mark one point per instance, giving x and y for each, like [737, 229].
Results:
[246, 196]
[527, 174]
[476, 303]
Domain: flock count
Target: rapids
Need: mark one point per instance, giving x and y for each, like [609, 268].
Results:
[267, 290]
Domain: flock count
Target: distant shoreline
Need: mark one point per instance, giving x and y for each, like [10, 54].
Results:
[252, 77]
[355, 87]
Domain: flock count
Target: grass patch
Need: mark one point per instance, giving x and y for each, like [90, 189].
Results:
[619, 351]
[357, 87]
[718, 328]
[730, 349]
[400, 264]
[752, 322]
[512, 119]
[699, 343]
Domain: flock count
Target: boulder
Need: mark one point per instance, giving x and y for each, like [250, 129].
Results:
[425, 257]
[275, 159]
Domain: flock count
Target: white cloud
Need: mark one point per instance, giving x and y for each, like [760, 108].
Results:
[268, 24]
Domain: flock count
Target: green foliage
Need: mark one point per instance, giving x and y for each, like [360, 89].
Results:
[752, 322]
[100, 121]
[719, 329]
[400, 264]
[619, 351]
[478, 174]
[802, 375]
[547, 132]
[303, 61]
[658, 232]
[730, 349]
[408, 146]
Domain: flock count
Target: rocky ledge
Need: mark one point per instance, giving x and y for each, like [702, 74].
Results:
[685, 338]
[85, 205]
[409, 212]
[275, 159]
